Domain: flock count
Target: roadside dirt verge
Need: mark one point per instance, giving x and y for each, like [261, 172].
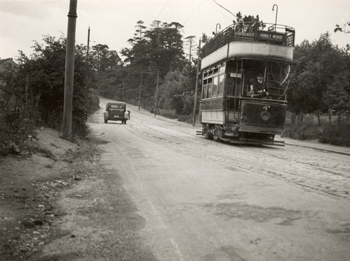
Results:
[29, 187]
[56, 203]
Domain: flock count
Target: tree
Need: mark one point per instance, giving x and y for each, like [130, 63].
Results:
[191, 44]
[188, 95]
[320, 73]
[140, 29]
[158, 47]
[104, 59]
[171, 90]
[43, 73]
[99, 58]
[161, 47]
[337, 95]
[170, 55]
[112, 60]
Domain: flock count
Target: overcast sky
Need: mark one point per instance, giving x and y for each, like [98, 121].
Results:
[112, 22]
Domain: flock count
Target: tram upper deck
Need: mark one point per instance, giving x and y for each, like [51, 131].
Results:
[274, 42]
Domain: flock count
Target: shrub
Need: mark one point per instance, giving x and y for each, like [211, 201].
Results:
[185, 118]
[336, 134]
[306, 130]
[43, 74]
[16, 124]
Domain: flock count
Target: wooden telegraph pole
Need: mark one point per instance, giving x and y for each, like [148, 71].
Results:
[69, 72]
[88, 45]
[196, 89]
[156, 98]
[140, 90]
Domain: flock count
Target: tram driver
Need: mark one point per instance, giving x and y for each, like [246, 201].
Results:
[257, 87]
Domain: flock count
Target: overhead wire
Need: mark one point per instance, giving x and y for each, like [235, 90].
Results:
[162, 9]
[193, 12]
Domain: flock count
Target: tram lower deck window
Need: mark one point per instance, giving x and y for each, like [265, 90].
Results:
[221, 85]
[215, 87]
[204, 94]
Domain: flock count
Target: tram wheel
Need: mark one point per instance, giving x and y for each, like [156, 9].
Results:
[217, 134]
[207, 133]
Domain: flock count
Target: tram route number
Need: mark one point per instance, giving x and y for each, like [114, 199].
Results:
[266, 107]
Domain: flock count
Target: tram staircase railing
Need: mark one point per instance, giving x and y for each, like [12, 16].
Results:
[275, 90]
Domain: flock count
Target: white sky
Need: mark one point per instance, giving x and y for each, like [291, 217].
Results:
[112, 22]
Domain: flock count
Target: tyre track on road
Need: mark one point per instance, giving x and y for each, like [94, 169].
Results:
[310, 175]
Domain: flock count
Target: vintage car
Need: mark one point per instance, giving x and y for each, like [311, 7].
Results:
[115, 111]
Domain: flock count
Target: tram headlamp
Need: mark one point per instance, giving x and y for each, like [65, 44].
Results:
[265, 115]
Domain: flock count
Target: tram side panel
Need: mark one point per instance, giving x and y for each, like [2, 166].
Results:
[213, 111]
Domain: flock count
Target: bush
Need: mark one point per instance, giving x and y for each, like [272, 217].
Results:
[336, 135]
[306, 130]
[171, 114]
[185, 118]
[16, 124]
[43, 74]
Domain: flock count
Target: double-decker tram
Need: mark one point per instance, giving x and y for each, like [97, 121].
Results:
[244, 74]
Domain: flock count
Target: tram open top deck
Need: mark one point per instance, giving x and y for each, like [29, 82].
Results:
[270, 41]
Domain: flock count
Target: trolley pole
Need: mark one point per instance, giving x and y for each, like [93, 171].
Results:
[196, 89]
[69, 72]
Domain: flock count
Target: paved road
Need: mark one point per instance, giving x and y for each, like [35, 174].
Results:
[203, 200]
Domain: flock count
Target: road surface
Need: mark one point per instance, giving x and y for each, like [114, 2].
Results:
[197, 199]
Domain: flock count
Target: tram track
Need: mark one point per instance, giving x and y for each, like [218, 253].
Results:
[310, 174]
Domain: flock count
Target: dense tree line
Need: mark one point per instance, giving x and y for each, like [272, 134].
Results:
[156, 53]
[319, 80]
[320, 77]
[101, 58]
